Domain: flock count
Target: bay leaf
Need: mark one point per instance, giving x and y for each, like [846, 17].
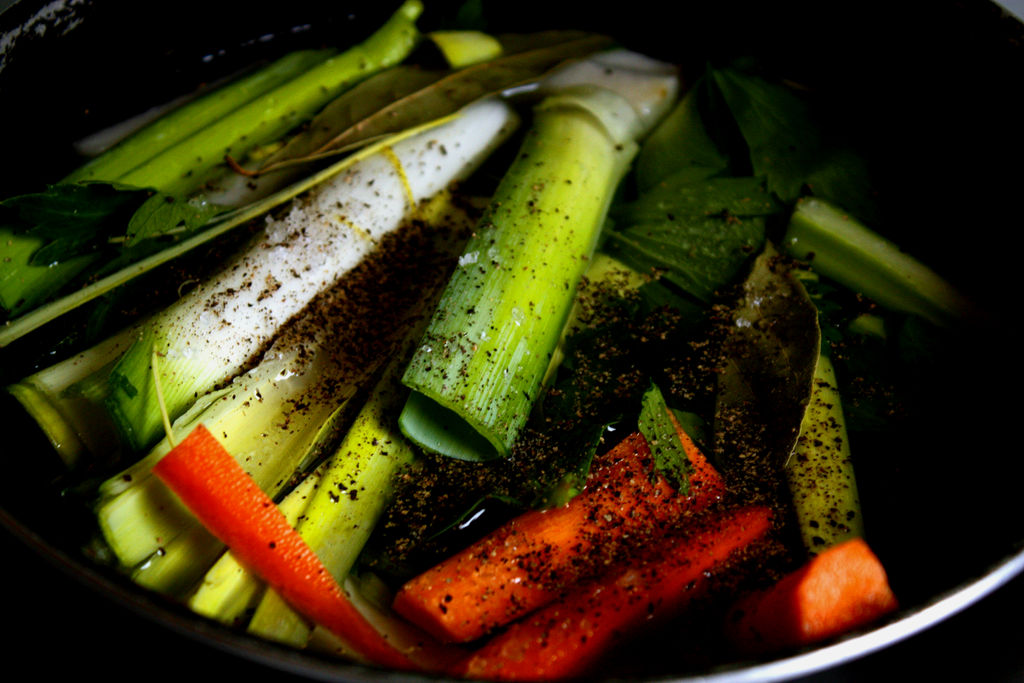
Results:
[406, 96]
[769, 354]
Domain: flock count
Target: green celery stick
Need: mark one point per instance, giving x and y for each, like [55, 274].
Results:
[845, 250]
[186, 120]
[182, 168]
[24, 286]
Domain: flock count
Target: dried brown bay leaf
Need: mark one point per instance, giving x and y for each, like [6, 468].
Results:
[769, 353]
[407, 96]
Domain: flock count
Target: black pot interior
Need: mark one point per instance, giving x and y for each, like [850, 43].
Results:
[929, 91]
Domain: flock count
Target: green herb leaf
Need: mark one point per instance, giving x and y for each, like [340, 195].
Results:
[163, 215]
[72, 218]
[679, 195]
[700, 234]
[783, 140]
[669, 455]
[789, 145]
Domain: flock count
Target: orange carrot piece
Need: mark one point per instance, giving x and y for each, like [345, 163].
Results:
[234, 508]
[569, 637]
[840, 589]
[531, 560]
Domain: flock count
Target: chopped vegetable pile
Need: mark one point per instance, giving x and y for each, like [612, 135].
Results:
[517, 348]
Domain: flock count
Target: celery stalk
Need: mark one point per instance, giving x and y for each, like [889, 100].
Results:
[191, 117]
[845, 250]
[24, 286]
[480, 364]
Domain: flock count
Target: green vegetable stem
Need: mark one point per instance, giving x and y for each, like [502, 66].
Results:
[482, 360]
[840, 247]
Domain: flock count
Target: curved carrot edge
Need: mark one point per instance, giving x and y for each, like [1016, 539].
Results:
[841, 589]
[233, 508]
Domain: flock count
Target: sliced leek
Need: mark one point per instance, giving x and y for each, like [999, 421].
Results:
[277, 417]
[357, 485]
[228, 590]
[208, 336]
[480, 364]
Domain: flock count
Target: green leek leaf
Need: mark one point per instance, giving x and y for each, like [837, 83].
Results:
[670, 458]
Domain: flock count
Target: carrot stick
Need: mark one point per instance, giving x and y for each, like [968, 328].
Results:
[569, 637]
[234, 508]
[841, 589]
[530, 561]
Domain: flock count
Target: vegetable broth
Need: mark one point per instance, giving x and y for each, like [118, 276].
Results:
[885, 498]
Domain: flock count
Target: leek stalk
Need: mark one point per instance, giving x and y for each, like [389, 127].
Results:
[354, 484]
[276, 417]
[342, 513]
[229, 590]
[208, 336]
[481, 362]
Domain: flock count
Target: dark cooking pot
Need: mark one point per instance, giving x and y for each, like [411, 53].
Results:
[931, 94]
